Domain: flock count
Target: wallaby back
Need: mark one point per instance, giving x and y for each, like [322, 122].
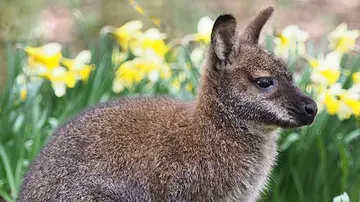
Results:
[220, 147]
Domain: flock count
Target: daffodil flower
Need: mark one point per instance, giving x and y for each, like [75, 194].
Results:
[152, 39]
[79, 65]
[333, 103]
[326, 71]
[189, 87]
[48, 55]
[343, 40]
[118, 57]
[177, 81]
[356, 77]
[60, 78]
[204, 28]
[23, 93]
[290, 41]
[21, 81]
[351, 98]
[137, 7]
[126, 76]
[131, 72]
[342, 198]
[328, 98]
[127, 33]
[197, 55]
[341, 102]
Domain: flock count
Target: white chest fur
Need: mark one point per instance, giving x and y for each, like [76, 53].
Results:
[251, 186]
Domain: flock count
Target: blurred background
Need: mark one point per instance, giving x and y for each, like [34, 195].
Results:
[54, 20]
[41, 87]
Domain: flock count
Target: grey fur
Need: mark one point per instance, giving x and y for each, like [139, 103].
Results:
[220, 147]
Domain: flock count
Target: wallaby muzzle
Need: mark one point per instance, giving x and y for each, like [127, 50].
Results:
[303, 109]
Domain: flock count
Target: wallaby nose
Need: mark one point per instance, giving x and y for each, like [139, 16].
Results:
[311, 108]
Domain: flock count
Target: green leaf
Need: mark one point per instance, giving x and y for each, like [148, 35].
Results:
[289, 140]
[9, 171]
[353, 135]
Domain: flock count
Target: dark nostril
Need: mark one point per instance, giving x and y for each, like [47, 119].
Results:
[311, 109]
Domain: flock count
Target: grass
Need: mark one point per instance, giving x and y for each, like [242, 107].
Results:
[315, 163]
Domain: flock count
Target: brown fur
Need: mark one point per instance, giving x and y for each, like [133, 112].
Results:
[220, 147]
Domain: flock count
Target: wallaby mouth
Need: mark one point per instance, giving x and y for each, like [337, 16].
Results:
[305, 112]
[301, 108]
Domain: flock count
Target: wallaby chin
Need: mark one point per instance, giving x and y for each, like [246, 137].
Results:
[221, 147]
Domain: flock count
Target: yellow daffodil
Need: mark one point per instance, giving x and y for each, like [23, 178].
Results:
[349, 103]
[23, 93]
[328, 97]
[156, 21]
[356, 77]
[48, 55]
[204, 28]
[351, 98]
[176, 84]
[21, 81]
[137, 7]
[60, 78]
[149, 66]
[290, 41]
[118, 57]
[126, 76]
[334, 104]
[79, 65]
[152, 39]
[127, 33]
[153, 66]
[341, 102]
[44, 63]
[343, 40]
[344, 112]
[189, 87]
[177, 81]
[326, 71]
[198, 55]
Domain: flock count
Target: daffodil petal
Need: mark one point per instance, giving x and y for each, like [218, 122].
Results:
[154, 34]
[205, 25]
[356, 77]
[59, 88]
[82, 58]
[117, 86]
[51, 49]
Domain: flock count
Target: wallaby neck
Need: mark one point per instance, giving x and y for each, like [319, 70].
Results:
[210, 111]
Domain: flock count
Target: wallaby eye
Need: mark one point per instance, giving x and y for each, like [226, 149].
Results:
[264, 82]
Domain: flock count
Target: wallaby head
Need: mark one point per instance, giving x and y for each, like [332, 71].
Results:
[250, 83]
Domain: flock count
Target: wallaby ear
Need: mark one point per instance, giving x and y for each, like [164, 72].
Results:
[223, 36]
[252, 31]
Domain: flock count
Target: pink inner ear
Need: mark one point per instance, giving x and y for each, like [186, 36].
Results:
[253, 29]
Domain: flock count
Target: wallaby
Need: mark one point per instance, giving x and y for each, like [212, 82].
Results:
[220, 147]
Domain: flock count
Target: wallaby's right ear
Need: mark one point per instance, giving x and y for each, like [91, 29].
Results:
[224, 37]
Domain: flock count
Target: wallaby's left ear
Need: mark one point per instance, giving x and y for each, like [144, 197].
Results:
[252, 31]
[224, 37]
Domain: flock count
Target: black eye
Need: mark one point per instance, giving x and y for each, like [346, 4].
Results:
[264, 82]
